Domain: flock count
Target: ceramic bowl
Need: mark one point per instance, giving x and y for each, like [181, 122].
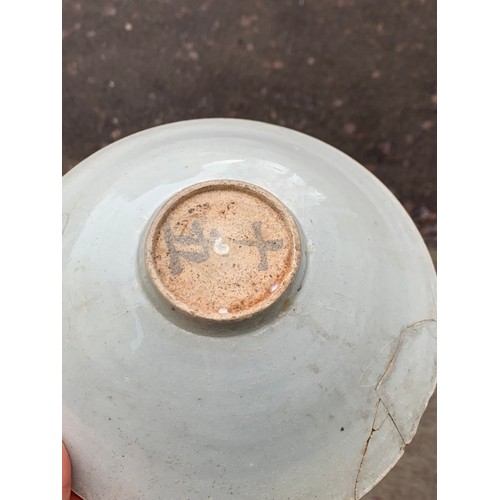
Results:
[184, 377]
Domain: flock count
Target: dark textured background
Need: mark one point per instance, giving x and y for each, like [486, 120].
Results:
[357, 74]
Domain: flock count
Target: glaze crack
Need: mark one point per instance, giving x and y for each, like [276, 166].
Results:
[394, 355]
[394, 422]
[68, 214]
[365, 449]
[380, 401]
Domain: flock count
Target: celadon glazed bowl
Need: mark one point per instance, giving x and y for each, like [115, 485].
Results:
[247, 314]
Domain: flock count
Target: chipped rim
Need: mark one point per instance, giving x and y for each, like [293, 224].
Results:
[265, 196]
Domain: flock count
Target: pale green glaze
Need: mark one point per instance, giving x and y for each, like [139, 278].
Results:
[286, 409]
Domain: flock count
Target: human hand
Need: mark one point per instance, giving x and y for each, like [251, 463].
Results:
[67, 494]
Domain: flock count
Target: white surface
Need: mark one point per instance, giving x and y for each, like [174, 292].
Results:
[152, 410]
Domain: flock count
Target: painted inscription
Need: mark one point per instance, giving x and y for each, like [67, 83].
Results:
[262, 245]
[177, 251]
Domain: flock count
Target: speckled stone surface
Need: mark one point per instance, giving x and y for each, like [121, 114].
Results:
[360, 75]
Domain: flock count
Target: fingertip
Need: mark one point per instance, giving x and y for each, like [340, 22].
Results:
[66, 474]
